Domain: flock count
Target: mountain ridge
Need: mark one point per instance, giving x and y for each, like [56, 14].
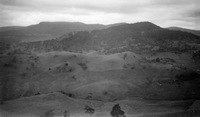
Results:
[51, 30]
[140, 37]
[43, 31]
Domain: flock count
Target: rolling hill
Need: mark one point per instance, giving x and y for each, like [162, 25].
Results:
[52, 83]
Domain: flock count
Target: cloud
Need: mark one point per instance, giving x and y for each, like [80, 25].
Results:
[164, 13]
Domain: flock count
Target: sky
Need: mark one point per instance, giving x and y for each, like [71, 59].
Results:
[165, 13]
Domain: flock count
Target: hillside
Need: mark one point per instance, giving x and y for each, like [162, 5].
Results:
[11, 28]
[100, 77]
[142, 37]
[148, 86]
[196, 32]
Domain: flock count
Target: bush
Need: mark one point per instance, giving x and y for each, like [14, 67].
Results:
[89, 110]
[83, 66]
[117, 112]
[67, 94]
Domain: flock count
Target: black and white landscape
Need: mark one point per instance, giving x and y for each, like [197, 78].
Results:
[75, 69]
[146, 69]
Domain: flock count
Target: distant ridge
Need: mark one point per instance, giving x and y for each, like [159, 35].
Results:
[141, 37]
[54, 30]
[46, 31]
[43, 31]
[196, 32]
[139, 26]
[60, 28]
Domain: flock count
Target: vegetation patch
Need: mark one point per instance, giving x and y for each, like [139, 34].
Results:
[188, 76]
[67, 94]
[163, 60]
[61, 68]
[49, 113]
[89, 110]
[83, 66]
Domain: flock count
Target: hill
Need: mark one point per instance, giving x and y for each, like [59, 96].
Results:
[54, 82]
[100, 77]
[142, 37]
[43, 31]
[196, 32]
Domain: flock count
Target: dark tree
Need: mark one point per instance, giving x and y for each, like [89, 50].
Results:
[117, 112]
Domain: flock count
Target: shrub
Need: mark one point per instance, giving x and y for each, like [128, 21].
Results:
[117, 112]
[67, 94]
[89, 110]
[83, 66]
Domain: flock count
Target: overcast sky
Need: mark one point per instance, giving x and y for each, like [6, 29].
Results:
[165, 13]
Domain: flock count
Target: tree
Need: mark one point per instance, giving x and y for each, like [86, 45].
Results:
[117, 112]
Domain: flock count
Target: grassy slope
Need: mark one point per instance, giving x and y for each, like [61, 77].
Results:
[124, 76]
